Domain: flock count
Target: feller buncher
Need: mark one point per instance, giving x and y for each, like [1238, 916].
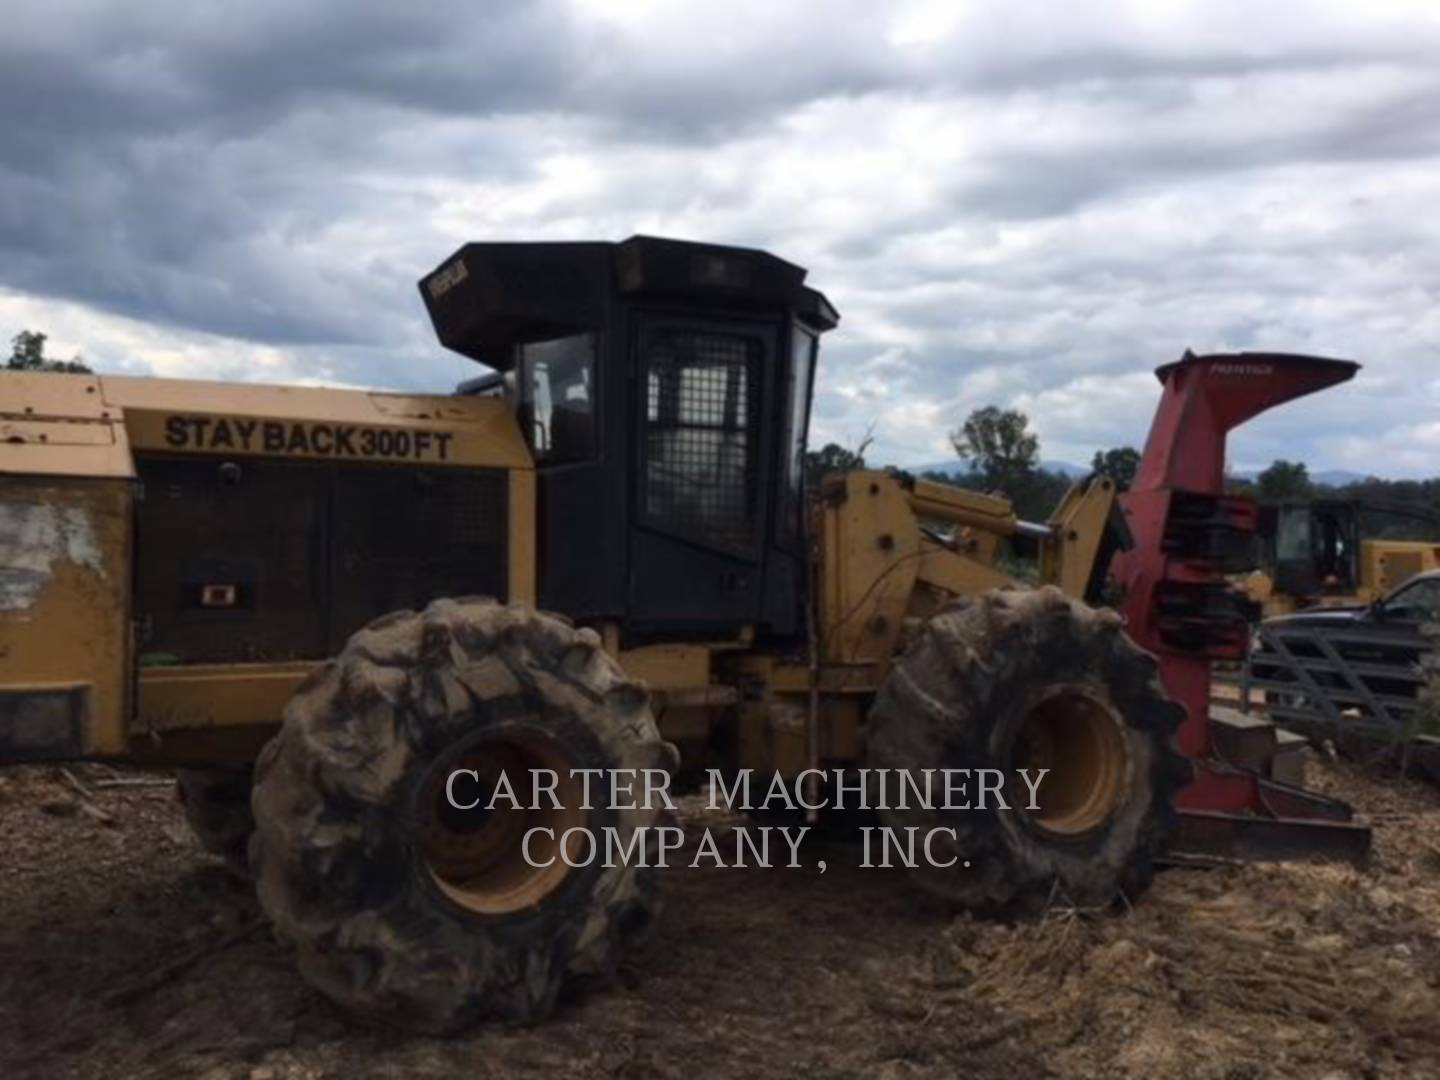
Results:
[317, 605]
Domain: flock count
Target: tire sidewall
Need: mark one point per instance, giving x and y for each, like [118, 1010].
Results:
[337, 854]
[958, 700]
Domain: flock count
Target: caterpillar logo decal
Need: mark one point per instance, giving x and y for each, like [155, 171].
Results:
[308, 439]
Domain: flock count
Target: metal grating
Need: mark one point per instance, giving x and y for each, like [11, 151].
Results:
[402, 538]
[700, 437]
[309, 552]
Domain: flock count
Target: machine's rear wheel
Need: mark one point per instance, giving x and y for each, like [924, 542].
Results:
[404, 908]
[217, 809]
[1033, 679]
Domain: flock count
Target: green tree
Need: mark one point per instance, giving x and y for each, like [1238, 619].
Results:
[1238, 485]
[999, 446]
[1035, 495]
[1285, 480]
[1119, 463]
[830, 458]
[27, 353]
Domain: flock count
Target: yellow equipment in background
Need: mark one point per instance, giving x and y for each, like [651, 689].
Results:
[1317, 556]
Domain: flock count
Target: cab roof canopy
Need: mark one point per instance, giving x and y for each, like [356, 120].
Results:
[488, 297]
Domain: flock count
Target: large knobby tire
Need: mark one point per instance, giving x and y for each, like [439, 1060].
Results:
[217, 808]
[1032, 679]
[400, 910]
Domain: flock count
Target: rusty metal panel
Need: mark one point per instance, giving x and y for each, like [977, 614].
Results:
[64, 610]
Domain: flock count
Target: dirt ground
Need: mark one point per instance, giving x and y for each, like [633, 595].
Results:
[1234, 974]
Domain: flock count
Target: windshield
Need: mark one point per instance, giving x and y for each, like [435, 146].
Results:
[1417, 600]
[557, 398]
[1292, 535]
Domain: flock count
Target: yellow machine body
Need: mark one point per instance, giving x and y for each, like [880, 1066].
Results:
[78, 680]
[73, 678]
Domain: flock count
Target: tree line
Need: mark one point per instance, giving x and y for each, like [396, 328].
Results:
[1394, 509]
[27, 353]
[997, 452]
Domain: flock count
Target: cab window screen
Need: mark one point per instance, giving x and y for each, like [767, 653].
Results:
[701, 436]
[558, 398]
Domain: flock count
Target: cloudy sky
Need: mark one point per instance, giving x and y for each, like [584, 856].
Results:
[1027, 204]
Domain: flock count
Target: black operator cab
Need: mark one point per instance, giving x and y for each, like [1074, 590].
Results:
[664, 388]
[1313, 545]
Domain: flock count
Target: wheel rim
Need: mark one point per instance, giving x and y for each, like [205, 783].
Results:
[1081, 740]
[476, 856]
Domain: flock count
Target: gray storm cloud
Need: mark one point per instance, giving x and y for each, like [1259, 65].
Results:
[1030, 205]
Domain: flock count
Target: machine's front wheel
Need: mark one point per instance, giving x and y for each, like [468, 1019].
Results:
[1031, 680]
[402, 906]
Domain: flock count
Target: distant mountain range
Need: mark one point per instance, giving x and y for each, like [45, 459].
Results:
[1330, 477]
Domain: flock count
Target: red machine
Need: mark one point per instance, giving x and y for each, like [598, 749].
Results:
[1187, 534]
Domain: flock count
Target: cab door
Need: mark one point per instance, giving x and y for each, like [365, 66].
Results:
[703, 489]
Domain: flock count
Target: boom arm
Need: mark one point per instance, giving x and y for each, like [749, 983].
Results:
[882, 564]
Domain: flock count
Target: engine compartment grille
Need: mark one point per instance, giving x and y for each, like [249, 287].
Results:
[265, 560]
